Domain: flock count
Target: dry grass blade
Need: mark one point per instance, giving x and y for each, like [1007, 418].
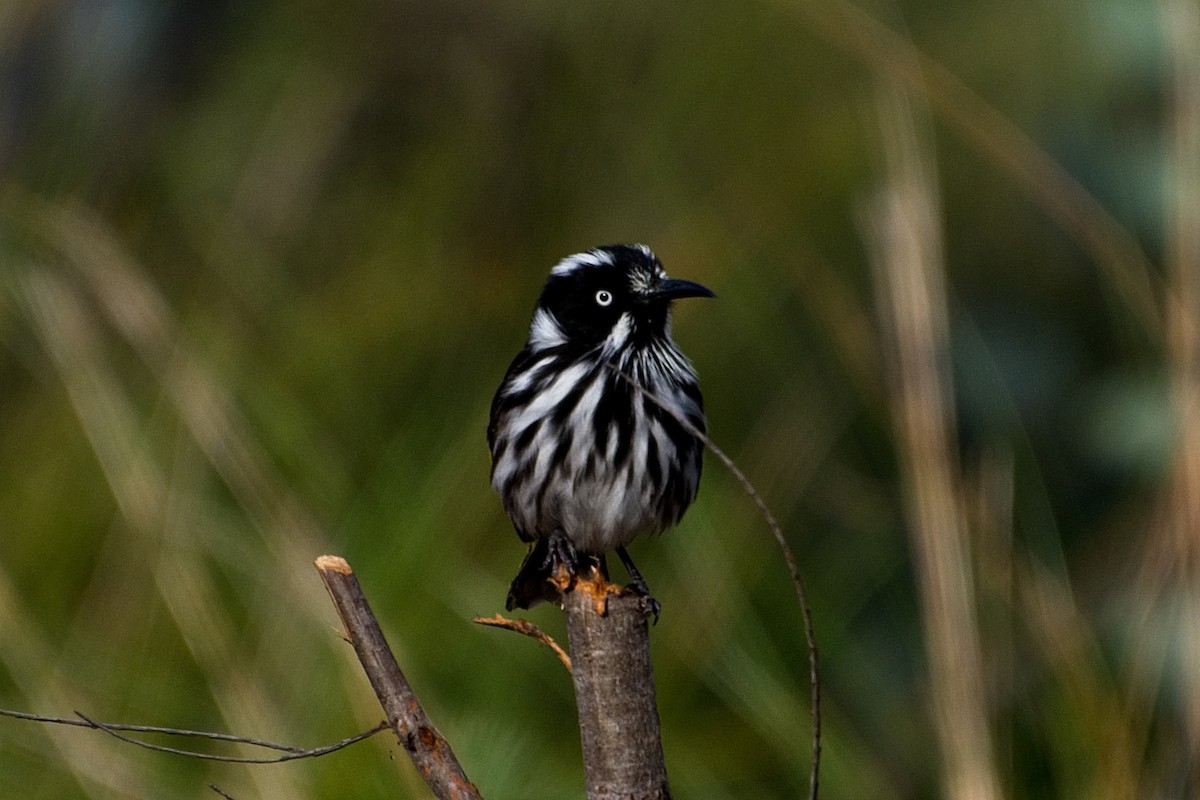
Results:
[1167, 584]
[998, 139]
[1067, 638]
[75, 341]
[1181, 26]
[906, 234]
[26, 652]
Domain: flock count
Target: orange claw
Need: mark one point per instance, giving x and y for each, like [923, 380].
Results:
[597, 588]
[562, 578]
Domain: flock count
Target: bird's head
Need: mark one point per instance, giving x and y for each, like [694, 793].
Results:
[616, 295]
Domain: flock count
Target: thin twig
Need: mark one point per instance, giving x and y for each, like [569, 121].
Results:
[789, 558]
[115, 729]
[221, 792]
[527, 628]
[291, 756]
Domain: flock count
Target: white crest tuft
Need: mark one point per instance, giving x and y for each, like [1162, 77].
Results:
[592, 258]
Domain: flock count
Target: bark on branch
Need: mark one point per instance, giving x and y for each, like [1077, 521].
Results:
[428, 749]
[614, 692]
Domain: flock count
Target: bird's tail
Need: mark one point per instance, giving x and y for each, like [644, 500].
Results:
[532, 584]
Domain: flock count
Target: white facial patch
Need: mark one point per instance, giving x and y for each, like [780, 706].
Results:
[619, 336]
[545, 332]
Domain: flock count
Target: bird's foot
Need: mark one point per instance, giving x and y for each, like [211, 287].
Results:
[637, 584]
[594, 583]
[650, 606]
[562, 561]
[571, 570]
[568, 569]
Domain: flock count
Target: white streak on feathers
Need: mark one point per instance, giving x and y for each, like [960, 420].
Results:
[595, 509]
[600, 503]
[592, 258]
[545, 332]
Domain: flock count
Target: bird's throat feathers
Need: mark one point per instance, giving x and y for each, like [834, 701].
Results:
[623, 346]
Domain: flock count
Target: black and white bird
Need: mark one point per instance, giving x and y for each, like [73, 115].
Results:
[584, 461]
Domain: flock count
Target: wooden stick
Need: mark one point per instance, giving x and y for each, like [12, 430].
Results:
[527, 628]
[614, 692]
[428, 749]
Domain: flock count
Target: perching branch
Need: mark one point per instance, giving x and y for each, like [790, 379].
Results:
[614, 692]
[428, 749]
[614, 686]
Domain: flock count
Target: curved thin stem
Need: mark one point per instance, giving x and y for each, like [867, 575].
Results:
[789, 558]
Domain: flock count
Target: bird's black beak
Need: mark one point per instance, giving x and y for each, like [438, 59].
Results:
[675, 288]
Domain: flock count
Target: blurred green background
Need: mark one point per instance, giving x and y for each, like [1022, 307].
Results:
[263, 265]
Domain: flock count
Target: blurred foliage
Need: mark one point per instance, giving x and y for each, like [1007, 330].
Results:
[262, 266]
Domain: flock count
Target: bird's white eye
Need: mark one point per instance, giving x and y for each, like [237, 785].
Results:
[604, 297]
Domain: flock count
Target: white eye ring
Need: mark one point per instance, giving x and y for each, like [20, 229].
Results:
[604, 297]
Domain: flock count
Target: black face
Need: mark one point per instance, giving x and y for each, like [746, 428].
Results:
[590, 292]
[588, 301]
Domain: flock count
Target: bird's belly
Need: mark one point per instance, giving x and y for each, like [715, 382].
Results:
[599, 510]
[600, 515]
[604, 472]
